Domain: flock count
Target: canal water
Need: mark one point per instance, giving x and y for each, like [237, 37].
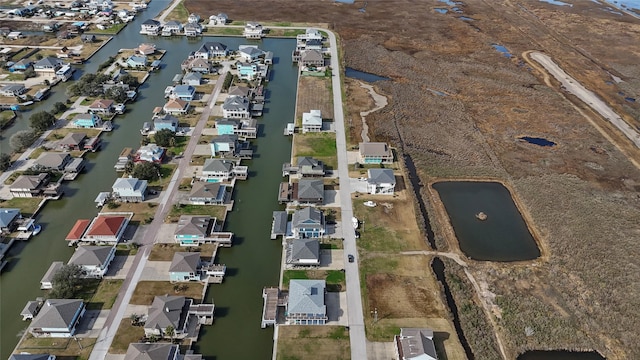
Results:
[560, 355]
[503, 236]
[254, 260]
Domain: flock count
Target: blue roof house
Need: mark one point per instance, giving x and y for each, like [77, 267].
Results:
[137, 61]
[226, 126]
[247, 71]
[167, 121]
[184, 92]
[87, 121]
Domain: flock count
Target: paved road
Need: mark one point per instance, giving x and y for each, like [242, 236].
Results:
[150, 233]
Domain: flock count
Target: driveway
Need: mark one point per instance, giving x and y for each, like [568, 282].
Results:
[352, 157]
[119, 267]
[166, 233]
[358, 185]
[381, 350]
[156, 271]
[337, 308]
[334, 231]
[331, 198]
[92, 322]
[204, 149]
[331, 259]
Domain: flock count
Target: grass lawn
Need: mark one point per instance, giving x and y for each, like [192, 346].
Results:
[315, 144]
[79, 349]
[181, 144]
[126, 250]
[335, 278]
[216, 211]
[142, 212]
[313, 342]
[146, 290]
[37, 152]
[125, 335]
[225, 31]
[164, 252]
[108, 31]
[105, 294]
[179, 13]
[59, 134]
[27, 206]
[166, 170]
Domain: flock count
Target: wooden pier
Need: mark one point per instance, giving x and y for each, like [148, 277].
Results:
[270, 306]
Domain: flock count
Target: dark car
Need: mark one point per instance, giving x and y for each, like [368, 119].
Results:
[351, 258]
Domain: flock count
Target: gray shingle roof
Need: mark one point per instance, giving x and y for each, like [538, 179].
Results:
[194, 225]
[239, 91]
[28, 181]
[310, 189]
[214, 46]
[207, 190]
[52, 160]
[226, 138]
[416, 343]
[306, 297]
[217, 165]
[47, 62]
[236, 103]
[185, 262]
[57, 313]
[381, 176]
[167, 310]
[31, 308]
[51, 272]
[148, 351]
[306, 216]
[90, 255]
[280, 222]
[192, 76]
[304, 249]
[73, 138]
[7, 216]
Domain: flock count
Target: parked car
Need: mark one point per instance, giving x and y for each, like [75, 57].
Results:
[351, 258]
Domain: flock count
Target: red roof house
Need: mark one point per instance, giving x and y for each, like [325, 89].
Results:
[78, 230]
[107, 228]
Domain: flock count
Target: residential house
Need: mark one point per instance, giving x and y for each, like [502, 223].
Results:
[415, 344]
[310, 34]
[210, 50]
[21, 65]
[129, 189]
[12, 90]
[195, 230]
[313, 44]
[220, 19]
[224, 145]
[136, 61]
[381, 181]
[77, 231]
[306, 303]
[306, 167]
[168, 311]
[166, 121]
[34, 186]
[197, 65]
[248, 71]
[185, 266]
[250, 53]
[58, 318]
[176, 106]
[236, 107]
[242, 91]
[150, 153]
[102, 106]
[216, 169]
[208, 193]
[150, 27]
[53, 160]
[244, 128]
[192, 29]
[73, 141]
[172, 27]
[312, 121]
[253, 30]
[309, 191]
[9, 220]
[87, 38]
[374, 153]
[47, 67]
[192, 79]
[303, 252]
[193, 18]
[46, 283]
[153, 351]
[307, 223]
[184, 92]
[87, 121]
[107, 228]
[94, 260]
[311, 58]
[146, 49]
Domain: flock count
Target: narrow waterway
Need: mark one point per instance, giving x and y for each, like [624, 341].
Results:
[253, 261]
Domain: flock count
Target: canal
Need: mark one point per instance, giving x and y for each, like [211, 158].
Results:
[254, 260]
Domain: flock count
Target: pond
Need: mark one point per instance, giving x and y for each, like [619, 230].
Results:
[537, 141]
[502, 50]
[486, 221]
[556, 2]
[364, 76]
[441, 10]
[560, 355]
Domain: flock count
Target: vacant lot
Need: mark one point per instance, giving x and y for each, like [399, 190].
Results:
[314, 93]
[105, 294]
[215, 211]
[164, 252]
[125, 335]
[321, 146]
[146, 291]
[79, 349]
[313, 342]
[335, 279]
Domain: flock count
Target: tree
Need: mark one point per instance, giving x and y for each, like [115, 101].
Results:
[163, 137]
[116, 94]
[22, 140]
[42, 120]
[66, 282]
[146, 171]
[29, 73]
[59, 107]
[128, 167]
[5, 161]
[130, 80]
[170, 332]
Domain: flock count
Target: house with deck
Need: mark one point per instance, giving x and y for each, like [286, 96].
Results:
[150, 27]
[306, 303]
[311, 58]
[150, 153]
[184, 92]
[224, 145]
[129, 189]
[73, 141]
[185, 266]
[250, 53]
[279, 224]
[253, 30]
[306, 167]
[415, 344]
[236, 107]
[9, 220]
[107, 228]
[302, 252]
[136, 61]
[238, 90]
[46, 283]
[244, 128]
[197, 230]
[192, 79]
[166, 121]
[35, 186]
[102, 106]
[30, 310]
[198, 65]
[58, 318]
[308, 223]
[87, 121]
[217, 170]
[381, 181]
[192, 29]
[211, 49]
[155, 351]
[94, 260]
[312, 121]
[53, 161]
[47, 67]
[176, 106]
[168, 311]
[209, 193]
[374, 153]
[172, 27]
[309, 191]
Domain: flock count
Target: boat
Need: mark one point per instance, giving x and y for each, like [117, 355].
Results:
[36, 230]
[481, 216]
[370, 203]
[355, 222]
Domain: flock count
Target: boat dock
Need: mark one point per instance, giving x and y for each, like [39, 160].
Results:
[270, 308]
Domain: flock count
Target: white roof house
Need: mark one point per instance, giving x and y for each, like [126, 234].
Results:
[312, 121]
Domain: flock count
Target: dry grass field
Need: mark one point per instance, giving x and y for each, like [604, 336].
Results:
[314, 93]
[164, 252]
[313, 342]
[146, 290]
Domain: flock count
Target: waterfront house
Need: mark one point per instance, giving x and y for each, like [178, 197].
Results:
[168, 311]
[210, 50]
[192, 29]
[184, 92]
[58, 318]
[146, 49]
[247, 71]
[94, 260]
[197, 65]
[250, 53]
[198, 230]
[102, 106]
[73, 141]
[47, 67]
[21, 65]
[303, 252]
[12, 90]
[9, 220]
[150, 153]
[309, 191]
[209, 193]
[375, 153]
[129, 189]
[185, 266]
[306, 303]
[166, 121]
[176, 106]
[244, 128]
[107, 227]
[77, 231]
[242, 91]
[193, 18]
[415, 344]
[311, 58]
[312, 121]
[150, 27]
[172, 27]
[236, 107]
[53, 160]
[220, 19]
[192, 79]
[34, 186]
[381, 181]
[87, 121]
[154, 351]
[87, 38]
[309, 34]
[305, 167]
[279, 224]
[136, 61]
[46, 283]
[216, 169]
[308, 222]
[253, 30]
[224, 145]
[313, 44]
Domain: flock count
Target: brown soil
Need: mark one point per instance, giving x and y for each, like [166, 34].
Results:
[314, 94]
